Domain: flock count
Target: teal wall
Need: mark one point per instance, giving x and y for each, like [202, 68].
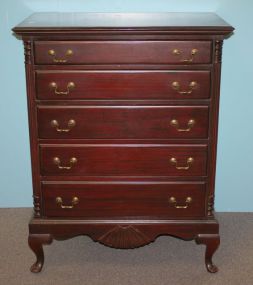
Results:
[235, 149]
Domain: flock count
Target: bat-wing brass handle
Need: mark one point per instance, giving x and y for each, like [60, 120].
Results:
[54, 86]
[190, 124]
[74, 202]
[57, 162]
[189, 162]
[176, 86]
[173, 201]
[68, 53]
[194, 51]
[56, 125]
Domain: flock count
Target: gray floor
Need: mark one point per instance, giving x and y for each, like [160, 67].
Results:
[167, 261]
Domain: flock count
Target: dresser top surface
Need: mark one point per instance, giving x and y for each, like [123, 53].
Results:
[83, 21]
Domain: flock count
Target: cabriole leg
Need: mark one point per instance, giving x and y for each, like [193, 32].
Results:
[36, 242]
[212, 242]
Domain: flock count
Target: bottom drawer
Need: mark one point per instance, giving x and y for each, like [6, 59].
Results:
[124, 199]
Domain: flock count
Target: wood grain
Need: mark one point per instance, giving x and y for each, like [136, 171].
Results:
[132, 200]
[123, 67]
[123, 122]
[117, 160]
[120, 52]
[121, 84]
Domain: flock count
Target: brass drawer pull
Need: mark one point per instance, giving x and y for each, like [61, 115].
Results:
[189, 162]
[173, 201]
[55, 124]
[193, 53]
[74, 202]
[190, 124]
[68, 53]
[57, 162]
[54, 86]
[176, 86]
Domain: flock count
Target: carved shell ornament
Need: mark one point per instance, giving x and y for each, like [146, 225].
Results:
[124, 237]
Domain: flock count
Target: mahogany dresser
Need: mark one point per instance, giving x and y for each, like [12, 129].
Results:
[123, 116]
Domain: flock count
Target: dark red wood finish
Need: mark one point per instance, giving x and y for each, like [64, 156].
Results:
[120, 52]
[118, 85]
[123, 122]
[125, 160]
[135, 200]
[123, 101]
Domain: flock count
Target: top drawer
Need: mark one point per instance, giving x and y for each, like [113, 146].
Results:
[122, 52]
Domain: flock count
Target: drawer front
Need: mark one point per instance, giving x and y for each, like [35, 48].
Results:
[122, 52]
[123, 160]
[125, 200]
[67, 85]
[123, 122]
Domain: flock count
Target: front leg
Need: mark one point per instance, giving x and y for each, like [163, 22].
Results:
[212, 242]
[35, 242]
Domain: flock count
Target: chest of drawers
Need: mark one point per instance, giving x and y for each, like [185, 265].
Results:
[123, 115]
